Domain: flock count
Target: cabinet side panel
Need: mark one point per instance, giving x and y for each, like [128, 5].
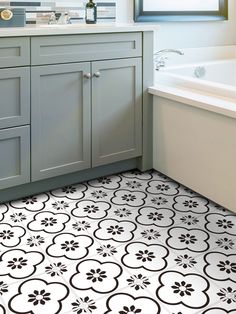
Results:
[146, 162]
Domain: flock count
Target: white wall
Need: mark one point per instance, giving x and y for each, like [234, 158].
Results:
[191, 34]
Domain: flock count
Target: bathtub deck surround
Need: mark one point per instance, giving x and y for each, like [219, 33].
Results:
[134, 242]
[195, 126]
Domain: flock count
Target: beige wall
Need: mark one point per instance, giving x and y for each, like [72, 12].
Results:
[191, 34]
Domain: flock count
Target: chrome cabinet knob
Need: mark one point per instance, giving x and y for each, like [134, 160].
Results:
[97, 74]
[87, 76]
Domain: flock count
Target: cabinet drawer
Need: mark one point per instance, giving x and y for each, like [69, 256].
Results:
[14, 156]
[14, 52]
[74, 48]
[15, 97]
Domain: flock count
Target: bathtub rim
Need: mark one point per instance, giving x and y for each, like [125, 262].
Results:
[195, 99]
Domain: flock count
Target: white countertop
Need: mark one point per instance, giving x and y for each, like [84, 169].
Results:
[39, 30]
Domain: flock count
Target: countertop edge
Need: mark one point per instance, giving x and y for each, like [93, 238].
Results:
[74, 29]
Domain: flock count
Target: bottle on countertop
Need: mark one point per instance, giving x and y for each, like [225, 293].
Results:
[91, 12]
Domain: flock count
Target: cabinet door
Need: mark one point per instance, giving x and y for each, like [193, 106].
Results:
[14, 156]
[116, 110]
[15, 97]
[60, 119]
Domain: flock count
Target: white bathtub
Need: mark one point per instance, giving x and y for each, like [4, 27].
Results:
[194, 128]
[218, 77]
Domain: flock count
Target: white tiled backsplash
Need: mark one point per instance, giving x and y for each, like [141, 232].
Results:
[39, 11]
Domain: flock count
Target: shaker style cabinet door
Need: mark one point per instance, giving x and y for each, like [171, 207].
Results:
[60, 119]
[15, 97]
[14, 156]
[116, 110]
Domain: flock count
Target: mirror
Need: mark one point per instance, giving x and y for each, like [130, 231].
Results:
[180, 10]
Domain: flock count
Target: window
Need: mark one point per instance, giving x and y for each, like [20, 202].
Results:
[180, 10]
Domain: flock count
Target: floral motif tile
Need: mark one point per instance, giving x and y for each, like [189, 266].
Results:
[223, 224]
[31, 204]
[216, 310]
[135, 242]
[226, 295]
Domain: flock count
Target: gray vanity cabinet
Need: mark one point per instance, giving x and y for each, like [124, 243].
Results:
[14, 156]
[116, 110]
[72, 102]
[86, 103]
[61, 119]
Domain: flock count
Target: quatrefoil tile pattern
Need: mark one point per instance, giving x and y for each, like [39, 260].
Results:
[134, 242]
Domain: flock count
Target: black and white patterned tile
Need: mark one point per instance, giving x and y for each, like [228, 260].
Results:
[124, 244]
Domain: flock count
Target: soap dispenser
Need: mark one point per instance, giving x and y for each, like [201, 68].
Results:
[91, 12]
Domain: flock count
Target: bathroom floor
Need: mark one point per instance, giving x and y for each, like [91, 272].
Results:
[125, 244]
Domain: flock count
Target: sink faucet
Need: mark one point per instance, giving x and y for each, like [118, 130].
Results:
[64, 18]
[52, 19]
[59, 18]
[160, 58]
